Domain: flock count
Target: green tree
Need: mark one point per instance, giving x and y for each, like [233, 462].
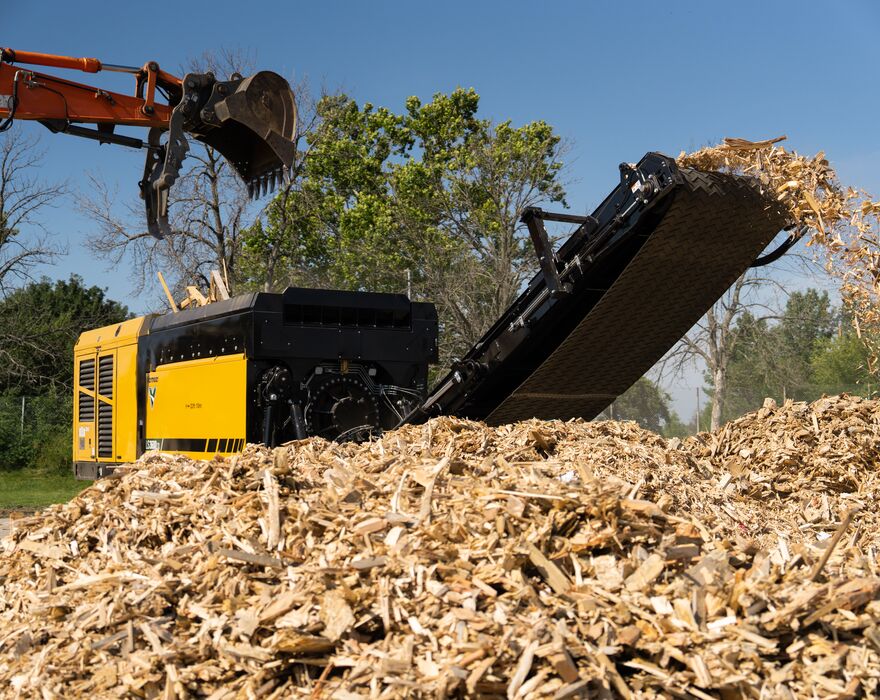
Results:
[808, 320]
[794, 354]
[433, 194]
[840, 364]
[39, 325]
[752, 367]
[774, 359]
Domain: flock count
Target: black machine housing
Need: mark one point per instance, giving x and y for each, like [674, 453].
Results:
[335, 364]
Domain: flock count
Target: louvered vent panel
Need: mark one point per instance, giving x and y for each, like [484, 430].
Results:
[86, 408]
[87, 374]
[105, 376]
[105, 430]
[105, 410]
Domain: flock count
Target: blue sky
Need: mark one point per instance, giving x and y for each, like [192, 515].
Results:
[615, 79]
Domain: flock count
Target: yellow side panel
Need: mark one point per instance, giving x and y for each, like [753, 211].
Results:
[84, 367]
[111, 336]
[198, 407]
[112, 410]
[125, 413]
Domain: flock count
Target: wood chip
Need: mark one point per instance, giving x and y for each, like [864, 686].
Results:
[453, 559]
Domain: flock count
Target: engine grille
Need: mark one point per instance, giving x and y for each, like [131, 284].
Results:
[86, 409]
[105, 410]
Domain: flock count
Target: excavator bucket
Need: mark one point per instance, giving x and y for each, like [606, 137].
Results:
[252, 123]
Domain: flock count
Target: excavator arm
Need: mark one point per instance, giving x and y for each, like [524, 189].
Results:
[250, 121]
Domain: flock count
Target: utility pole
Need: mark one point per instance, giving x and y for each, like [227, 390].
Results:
[21, 429]
[698, 409]
[409, 283]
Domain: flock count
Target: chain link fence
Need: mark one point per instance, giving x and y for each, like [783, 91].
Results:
[35, 432]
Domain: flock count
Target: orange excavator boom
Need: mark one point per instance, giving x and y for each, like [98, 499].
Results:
[250, 121]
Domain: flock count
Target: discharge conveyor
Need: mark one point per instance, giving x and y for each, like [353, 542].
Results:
[628, 283]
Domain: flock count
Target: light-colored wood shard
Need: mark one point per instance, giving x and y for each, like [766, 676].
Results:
[555, 576]
[273, 511]
[336, 615]
[521, 573]
[649, 570]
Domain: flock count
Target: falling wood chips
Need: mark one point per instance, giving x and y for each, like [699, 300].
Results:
[543, 559]
[844, 220]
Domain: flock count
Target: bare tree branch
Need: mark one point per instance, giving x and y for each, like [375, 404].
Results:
[713, 339]
[207, 209]
[24, 241]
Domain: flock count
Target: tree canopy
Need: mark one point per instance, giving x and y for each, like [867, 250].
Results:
[39, 325]
[428, 198]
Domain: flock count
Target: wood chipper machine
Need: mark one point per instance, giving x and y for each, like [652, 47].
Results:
[628, 282]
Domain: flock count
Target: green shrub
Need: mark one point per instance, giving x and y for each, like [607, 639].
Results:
[14, 452]
[43, 440]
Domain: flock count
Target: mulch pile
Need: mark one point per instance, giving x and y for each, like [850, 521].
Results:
[543, 559]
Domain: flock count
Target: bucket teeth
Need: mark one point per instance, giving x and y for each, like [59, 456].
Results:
[267, 183]
[252, 124]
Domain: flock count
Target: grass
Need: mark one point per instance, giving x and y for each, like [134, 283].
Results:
[33, 489]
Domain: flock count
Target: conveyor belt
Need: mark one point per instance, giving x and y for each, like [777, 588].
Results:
[658, 252]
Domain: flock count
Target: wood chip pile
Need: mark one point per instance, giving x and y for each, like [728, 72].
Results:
[543, 559]
[845, 220]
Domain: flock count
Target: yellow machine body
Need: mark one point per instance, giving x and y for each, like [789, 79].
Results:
[198, 407]
[256, 368]
[105, 393]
